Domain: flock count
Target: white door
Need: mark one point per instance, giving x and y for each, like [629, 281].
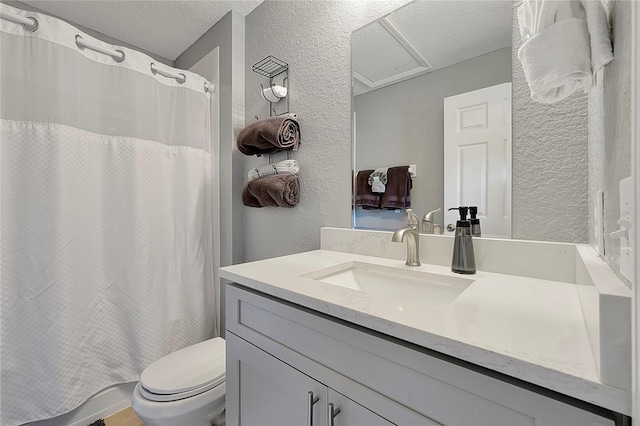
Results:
[477, 157]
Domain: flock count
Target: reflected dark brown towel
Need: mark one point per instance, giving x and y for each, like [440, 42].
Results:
[398, 190]
[281, 133]
[271, 191]
[364, 197]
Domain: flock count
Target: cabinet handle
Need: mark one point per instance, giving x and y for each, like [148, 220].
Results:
[311, 400]
[331, 413]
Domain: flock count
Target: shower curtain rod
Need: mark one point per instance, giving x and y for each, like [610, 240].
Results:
[31, 24]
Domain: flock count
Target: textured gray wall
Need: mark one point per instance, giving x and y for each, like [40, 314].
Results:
[610, 129]
[549, 162]
[403, 124]
[227, 34]
[313, 37]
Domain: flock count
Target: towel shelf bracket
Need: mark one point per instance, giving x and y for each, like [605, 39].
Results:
[288, 155]
[273, 67]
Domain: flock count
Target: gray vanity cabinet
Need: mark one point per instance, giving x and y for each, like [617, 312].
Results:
[278, 352]
[264, 391]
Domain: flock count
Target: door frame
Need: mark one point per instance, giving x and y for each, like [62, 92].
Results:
[635, 172]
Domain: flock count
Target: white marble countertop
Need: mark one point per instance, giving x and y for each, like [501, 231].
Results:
[527, 328]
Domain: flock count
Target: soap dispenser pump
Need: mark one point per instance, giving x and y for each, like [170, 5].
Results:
[475, 222]
[463, 261]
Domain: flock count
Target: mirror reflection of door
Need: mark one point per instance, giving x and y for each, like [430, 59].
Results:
[402, 72]
[477, 157]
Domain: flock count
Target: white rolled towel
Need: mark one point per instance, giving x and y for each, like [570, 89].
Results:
[274, 93]
[564, 44]
[556, 61]
[285, 167]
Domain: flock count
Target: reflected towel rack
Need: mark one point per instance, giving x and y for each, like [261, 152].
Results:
[272, 67]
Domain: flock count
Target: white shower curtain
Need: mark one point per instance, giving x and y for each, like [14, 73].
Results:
[106, 230]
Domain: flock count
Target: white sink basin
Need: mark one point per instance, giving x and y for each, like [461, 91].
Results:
[397, 283]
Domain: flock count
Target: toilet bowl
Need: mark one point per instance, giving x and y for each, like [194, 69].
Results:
[186, 387]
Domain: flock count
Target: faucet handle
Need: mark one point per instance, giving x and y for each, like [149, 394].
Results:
[412, 219]
[429, 215]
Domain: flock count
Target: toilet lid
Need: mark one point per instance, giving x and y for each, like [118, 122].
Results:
[191, 370]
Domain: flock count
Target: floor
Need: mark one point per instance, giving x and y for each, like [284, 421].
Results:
[125, 417]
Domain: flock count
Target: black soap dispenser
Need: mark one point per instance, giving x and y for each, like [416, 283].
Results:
[475, 222]
[463, 261]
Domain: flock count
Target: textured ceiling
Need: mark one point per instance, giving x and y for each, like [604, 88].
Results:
[427, 35]
[166, 28]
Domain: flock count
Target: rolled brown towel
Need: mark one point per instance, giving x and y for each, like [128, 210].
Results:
[271, 191]
[281, 133]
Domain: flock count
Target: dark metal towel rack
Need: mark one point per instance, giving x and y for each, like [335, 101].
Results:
[272, 67]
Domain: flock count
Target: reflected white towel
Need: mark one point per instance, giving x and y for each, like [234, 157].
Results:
[382, 175]
[564, 44]
[286, 167]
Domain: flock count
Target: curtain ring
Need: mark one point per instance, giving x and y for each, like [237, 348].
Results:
[80, 45]
[119, 59]
[33, 27]
[209, 87]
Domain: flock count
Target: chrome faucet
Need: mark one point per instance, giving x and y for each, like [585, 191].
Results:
[428, 225]
[410, 234]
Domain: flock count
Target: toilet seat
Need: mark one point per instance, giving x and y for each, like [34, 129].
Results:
[185, 373]
[176, 396]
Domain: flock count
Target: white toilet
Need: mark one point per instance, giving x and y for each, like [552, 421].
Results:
[186, 387]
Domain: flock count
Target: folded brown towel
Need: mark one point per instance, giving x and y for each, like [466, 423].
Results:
[397, 192]
[281, 133]
[271, 191]
[364, 197]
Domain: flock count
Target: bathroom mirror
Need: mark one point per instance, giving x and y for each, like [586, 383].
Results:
[404, 65]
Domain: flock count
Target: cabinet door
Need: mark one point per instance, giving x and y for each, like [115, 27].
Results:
[364, 407]
[264, 391]
[351, 413]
